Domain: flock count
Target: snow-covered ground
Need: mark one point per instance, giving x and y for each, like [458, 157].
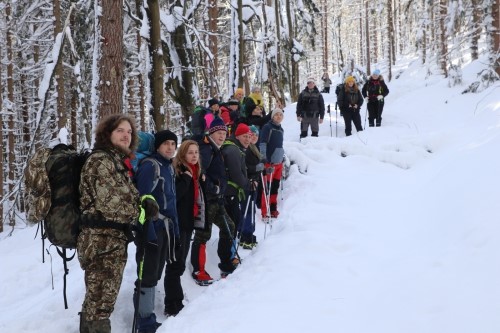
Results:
[400, 235]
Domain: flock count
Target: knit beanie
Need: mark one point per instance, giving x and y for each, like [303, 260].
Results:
[213, 101]
[163, 136]
[376, 72]
[233, 102]
[350, 79]
[242, 129]
[311, 79]
[254, 129]
[275, 111]
[217, 125]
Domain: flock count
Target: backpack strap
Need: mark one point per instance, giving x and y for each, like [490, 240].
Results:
[156, 165]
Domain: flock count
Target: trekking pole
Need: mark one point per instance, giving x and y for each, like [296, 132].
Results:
[336, 121]
[231, 237]
[331, 134]
[142, 242]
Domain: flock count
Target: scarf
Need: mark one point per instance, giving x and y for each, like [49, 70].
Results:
[194, 171]
[128, 163]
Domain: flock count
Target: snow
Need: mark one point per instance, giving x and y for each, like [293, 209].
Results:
[400, 235]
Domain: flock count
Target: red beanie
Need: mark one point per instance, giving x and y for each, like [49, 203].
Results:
[242, 129]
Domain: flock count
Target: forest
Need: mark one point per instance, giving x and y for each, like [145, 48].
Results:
[65, 64]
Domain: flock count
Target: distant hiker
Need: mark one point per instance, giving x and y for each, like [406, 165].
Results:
[250, 102]
[271, 147]
[350, 100]
[326, 83]
[110, 205]
[255, 166]
[213, 106]
[375, 90]
[310, 109]
[216, 183]
[155, 177]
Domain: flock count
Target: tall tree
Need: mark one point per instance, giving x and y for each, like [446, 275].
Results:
[59, 71]
[111, 60]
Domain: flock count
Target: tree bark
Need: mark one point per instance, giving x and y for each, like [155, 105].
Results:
[111, 61]
[156, 74]
[213, 71]
[59, 72]
[495, 13]
[443, 50]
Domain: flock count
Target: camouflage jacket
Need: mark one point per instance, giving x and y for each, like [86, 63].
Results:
[107, 188]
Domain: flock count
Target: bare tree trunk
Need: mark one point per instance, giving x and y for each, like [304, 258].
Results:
[141, 90]
[59, 71]
[213, 14]
[111, 61]
[442, 38]
[495, 14]
[367, 38]
[390, 40]
[11, 112]
[476, 29]
[241, 55]
[156, 75]
[2, 182]
[324, 29]
[294, 79]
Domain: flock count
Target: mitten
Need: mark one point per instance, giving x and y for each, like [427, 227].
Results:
[380, 97]
[269, 170]
[259, 167]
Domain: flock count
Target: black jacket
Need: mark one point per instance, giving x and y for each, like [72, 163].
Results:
[212, 164]
[347, 98]
[236, 170]
[372, 88]
[185, 199]
[310, 104]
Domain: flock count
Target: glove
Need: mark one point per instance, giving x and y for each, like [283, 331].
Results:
[150, 207]
[259, 167]
[269, 170]
[299, 118]
[380, 97]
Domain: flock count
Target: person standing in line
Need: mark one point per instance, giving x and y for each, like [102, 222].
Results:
[327, 82]
[234, 153]
[350, 101]
[271, 147]
[155, 177]
[212, 163]
[255, 166]
[213, 106]
[375, 90]
[110, 206]
[310, 109]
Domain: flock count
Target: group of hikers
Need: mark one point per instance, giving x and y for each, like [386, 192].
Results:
[228, 167]
[218, 176]
[311, 106]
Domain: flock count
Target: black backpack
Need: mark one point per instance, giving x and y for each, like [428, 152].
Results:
[57, 172]
[339, 88]
[197, 124]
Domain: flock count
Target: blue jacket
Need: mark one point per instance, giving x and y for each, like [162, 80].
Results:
[271, 142]
[161, 186]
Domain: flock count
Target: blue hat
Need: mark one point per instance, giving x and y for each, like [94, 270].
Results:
[254, 129]
[376, 72]
[217, 125]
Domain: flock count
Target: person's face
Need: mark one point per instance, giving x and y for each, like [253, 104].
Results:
[257, 111]
[215, 108]
[167, 149]
[375, 76]
[238, 96]
[278, 118]
[219, 137]
[233, 107]
[121, 136]
[254, 139]
[350, 83]
[310, 85]
[193, 154]
[245, 139]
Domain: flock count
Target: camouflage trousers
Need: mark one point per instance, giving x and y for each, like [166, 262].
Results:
[103, 259]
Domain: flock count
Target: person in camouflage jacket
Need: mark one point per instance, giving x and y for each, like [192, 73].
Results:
[110, 206]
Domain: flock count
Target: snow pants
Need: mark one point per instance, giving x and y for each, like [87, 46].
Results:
[270, 193]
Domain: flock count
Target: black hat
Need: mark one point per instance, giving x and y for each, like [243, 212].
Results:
[163, 136]
[233, 102]
[212, 102]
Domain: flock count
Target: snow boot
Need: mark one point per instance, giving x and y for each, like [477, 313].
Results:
[172, 309]
[147, 324]
[202, 278]
[315, 134]
[303, 134]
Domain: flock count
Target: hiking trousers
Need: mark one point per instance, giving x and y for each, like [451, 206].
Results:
[375, 108]
[103, 259]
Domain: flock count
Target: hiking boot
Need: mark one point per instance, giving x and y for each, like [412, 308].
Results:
[235, 261]
[147, 324]
[275, 214]
[202, 278]
[172, 309]
[249, 245]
